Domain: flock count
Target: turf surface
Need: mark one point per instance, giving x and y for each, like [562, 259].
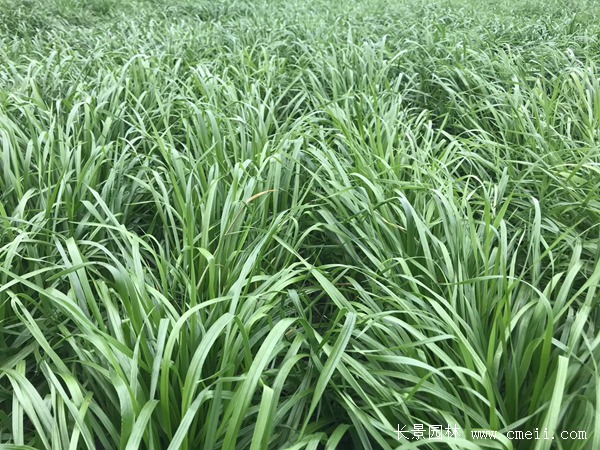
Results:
[299, 224]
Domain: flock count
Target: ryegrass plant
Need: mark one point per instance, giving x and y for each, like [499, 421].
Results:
[288, 225]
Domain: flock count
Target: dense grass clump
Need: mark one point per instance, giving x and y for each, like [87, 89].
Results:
[299, 225]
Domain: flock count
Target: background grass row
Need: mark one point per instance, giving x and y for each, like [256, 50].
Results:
[249, 225]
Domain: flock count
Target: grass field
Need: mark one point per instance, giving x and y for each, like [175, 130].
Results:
[284, 224]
